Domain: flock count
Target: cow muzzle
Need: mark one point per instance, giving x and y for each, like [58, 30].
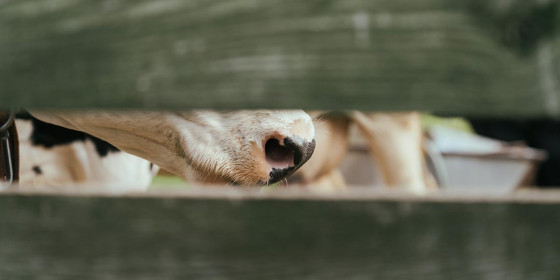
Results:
[285, 156]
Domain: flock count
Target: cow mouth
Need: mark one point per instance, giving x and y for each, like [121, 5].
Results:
[279, 156]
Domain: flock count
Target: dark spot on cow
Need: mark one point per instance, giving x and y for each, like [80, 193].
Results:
[37, 170]
[49, 135]
[102, 147]
[151, 166]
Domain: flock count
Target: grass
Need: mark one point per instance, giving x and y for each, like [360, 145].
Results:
[166, 182]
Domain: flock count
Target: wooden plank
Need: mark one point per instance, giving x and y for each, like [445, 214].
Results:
[456, 57]
[276, 237]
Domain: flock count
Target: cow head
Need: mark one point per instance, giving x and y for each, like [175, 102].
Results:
[238, 147]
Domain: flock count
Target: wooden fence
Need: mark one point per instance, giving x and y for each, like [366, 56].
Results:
[234, 235]
[471, 57]
[475, 57]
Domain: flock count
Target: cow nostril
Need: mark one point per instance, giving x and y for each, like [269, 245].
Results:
[287, 158]
[302, 149]
[278, 156]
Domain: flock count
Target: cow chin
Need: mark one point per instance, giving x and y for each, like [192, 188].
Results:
[248, 176]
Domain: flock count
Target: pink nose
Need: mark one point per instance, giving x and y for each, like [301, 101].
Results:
[287, 157]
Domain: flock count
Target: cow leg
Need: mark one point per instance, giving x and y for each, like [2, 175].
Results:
[395, 140]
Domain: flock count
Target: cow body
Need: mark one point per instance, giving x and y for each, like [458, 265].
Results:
[57, 157]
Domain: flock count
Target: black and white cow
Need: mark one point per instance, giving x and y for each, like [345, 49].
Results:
[55, 156]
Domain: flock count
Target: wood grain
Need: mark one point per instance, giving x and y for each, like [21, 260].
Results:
[165, 237]
[461, 57]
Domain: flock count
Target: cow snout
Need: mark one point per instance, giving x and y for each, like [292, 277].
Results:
[287, 156]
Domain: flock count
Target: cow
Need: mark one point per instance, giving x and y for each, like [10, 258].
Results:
[56, 156]
[121, 151]
[394, 140]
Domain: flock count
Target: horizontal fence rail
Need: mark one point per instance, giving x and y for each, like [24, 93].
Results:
[279, 235]
[457, 57]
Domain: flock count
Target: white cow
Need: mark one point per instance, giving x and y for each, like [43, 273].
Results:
[241, 147]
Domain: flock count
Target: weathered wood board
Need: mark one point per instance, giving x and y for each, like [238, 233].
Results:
[469, 57]
[278, 237]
